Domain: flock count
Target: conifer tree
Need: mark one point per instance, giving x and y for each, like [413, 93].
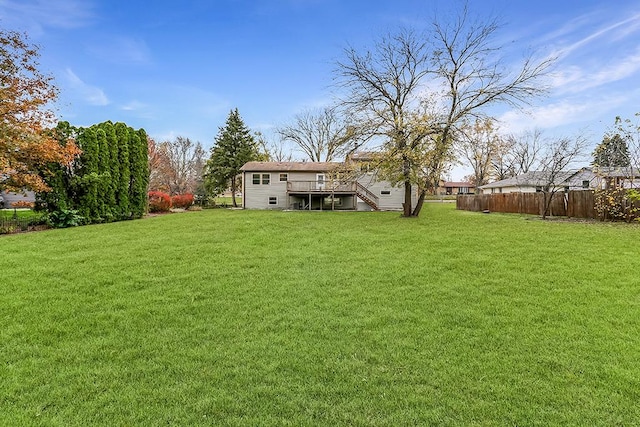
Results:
[234, 146]
[114, 169]
[122, 136]
[613, 151]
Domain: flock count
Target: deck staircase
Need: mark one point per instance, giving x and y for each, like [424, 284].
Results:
[367, 196]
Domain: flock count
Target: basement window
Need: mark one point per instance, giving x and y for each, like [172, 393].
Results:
[273, 200]
[385, 192]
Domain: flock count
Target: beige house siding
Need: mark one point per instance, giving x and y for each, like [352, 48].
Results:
[258, 196]
[386, 202]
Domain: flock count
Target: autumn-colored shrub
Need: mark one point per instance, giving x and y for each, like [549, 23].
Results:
[159, 201]
[182, 201]
[21, 204]
[617, 204]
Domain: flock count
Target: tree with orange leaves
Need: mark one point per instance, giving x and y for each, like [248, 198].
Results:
[25, 94]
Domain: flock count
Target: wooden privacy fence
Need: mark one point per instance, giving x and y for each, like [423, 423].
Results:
[576, 204]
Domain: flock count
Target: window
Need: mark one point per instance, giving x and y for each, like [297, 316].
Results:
[258, 179]
[385, 192]
[328, 201]
[585, 184]
[273, 200]
[284, 177]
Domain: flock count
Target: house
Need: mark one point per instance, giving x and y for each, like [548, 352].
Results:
[535, 181]
[7, 198]
[316, 186]
[452, 187]
[621, 177]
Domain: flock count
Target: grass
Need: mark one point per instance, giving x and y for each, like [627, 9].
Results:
[12, 221]
[225, 317]
[8, 214]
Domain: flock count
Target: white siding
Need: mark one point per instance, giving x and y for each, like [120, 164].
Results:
[256, 196]
[386, 202]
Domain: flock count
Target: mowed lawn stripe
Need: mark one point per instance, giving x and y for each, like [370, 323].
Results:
[322, 318]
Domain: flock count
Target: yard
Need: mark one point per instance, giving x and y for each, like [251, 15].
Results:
[227, 317]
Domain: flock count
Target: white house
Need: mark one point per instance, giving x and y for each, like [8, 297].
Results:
[7, 198]
[535, 181]
[587, 178]
[315, 186]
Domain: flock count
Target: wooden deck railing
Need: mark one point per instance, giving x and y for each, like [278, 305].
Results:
[321, 187]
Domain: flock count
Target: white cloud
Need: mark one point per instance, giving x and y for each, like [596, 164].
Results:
[616, 31]
[91, 94]
[133, 106]
[560, 113]
[34, 16]
[119, 49]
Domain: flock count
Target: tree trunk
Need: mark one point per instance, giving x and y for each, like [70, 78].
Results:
[233, 192]
[407, 200]
[419, 203]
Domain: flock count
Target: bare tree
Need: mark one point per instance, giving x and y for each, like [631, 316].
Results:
[386, 87]
[478, 145]
[182, 165]
[159, 168]
[273, 151]
[322, 135]
[558, 155]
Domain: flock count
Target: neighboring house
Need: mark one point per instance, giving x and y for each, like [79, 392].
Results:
[623, 177]
[451, 187]
[8, 198]
[531, 182]
[316, 186]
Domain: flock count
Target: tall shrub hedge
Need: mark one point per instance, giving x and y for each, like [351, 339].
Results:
[108, 181]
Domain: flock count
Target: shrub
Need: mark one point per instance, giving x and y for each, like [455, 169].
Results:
[64, 218]
[20, 204]
[159, 201]
[617, 204]
[182, 201]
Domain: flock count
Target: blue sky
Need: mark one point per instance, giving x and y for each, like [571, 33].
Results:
[178, 68]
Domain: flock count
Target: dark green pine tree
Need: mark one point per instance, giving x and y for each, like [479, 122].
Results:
[122, 194]
[114, 170]
[87, 177]
[139, 174]
[233, 147]
[613, 151]
[104, 186]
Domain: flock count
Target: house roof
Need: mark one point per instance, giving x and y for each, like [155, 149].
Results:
[571, 178]
[457, 184]
[616, 172]
[364, 156]
[289, 166]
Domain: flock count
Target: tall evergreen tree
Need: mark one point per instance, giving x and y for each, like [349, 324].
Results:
[613, 151]
[234, 146]
[139, 178]
[122, 136]
[108, 181]
[104, 186]
[114, 169]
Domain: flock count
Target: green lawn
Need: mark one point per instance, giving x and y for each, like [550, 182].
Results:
[228, 317]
